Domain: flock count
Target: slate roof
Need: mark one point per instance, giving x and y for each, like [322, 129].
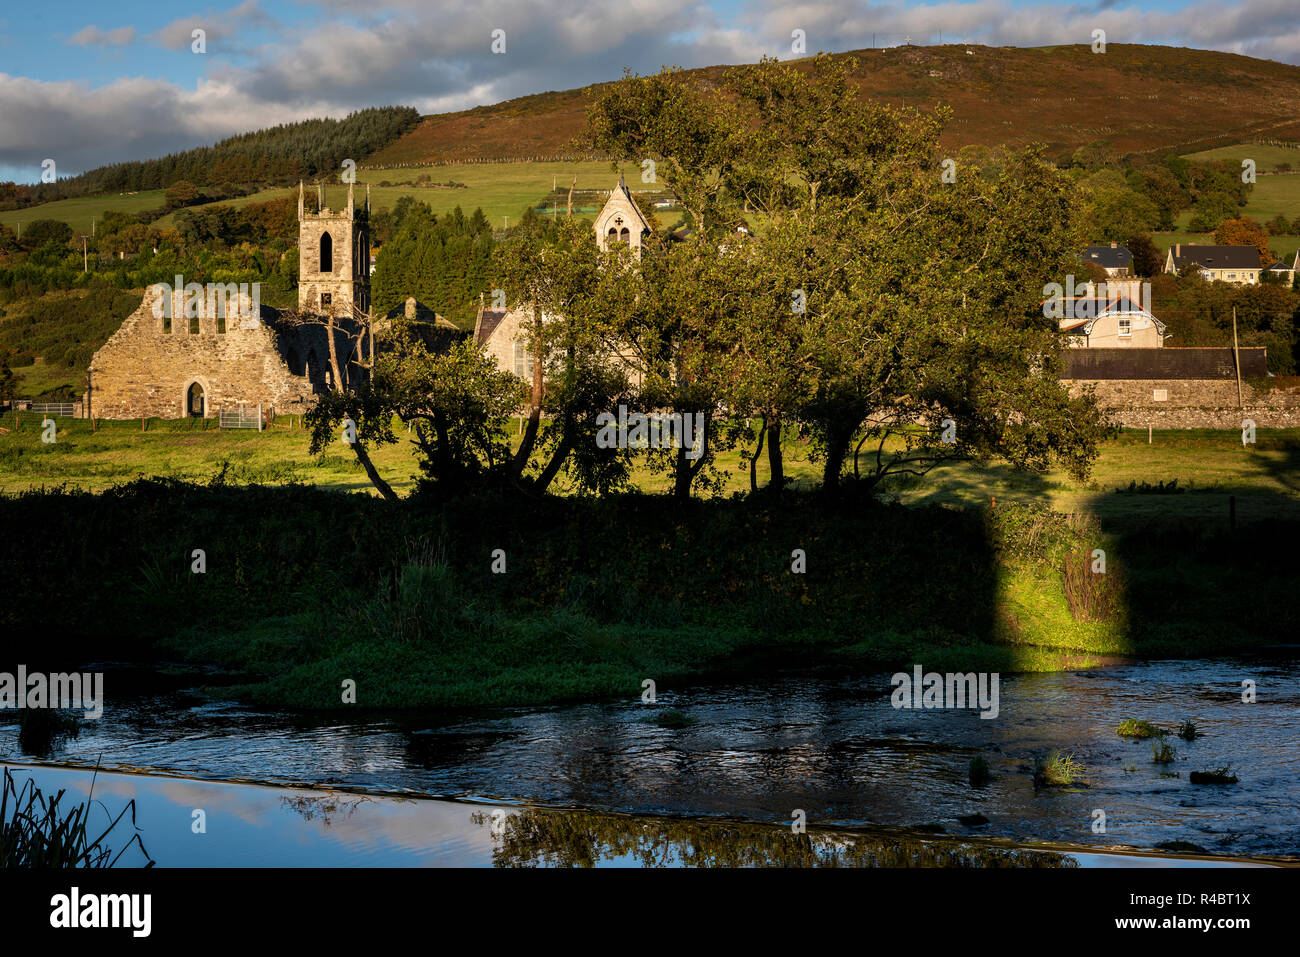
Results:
[1108, 257]
[491, 318]
[1218, 257]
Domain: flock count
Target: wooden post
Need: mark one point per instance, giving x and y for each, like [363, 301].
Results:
[1236, 355]
[1148, 433]
[259, 417]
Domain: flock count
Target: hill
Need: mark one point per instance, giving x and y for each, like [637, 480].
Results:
[1137, 98]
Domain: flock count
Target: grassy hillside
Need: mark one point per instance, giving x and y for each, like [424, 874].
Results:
[500, 190]
[79, 212]
[1138, 98]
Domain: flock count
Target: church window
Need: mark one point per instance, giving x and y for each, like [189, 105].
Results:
[523, 362]
[326, 253]
[326, 300]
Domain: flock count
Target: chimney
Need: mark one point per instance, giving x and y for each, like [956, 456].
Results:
[1113, 245]
[1178, 250]
[410, 307]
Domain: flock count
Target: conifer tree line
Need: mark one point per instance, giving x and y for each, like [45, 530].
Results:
[279, 155]
[442, 261]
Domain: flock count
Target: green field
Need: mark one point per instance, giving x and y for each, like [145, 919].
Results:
[79, 212]
[1210, 465]
[1265, 157]
[499, 189]
[1273, 195]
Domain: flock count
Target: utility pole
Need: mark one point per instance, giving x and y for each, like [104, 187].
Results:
[1236, 355]
[85, 257]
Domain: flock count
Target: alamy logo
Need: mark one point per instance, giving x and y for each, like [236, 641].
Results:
[73, 910]
[655, 430]
[933, 690]
[235, 300]
[37, 690]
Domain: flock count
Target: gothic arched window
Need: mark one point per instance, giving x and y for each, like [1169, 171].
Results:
[326, 253]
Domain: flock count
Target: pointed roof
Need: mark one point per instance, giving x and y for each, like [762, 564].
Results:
[620, 200]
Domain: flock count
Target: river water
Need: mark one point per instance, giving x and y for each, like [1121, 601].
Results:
[755, 753]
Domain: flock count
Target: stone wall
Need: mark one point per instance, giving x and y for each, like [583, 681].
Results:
[147, 367]
[1192, 403]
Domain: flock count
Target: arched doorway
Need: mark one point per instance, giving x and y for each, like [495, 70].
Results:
[196, 405]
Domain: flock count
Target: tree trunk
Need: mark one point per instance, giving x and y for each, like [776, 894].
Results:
[334, 355]
[777, 481]
[525, 452]
[835, 453]
[553, 466]
[758, 450]
[372, 473]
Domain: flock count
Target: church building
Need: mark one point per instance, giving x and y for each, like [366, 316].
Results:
[196, 350]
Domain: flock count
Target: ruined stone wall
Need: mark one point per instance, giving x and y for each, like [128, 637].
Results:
[1192, 403]
[148, 365]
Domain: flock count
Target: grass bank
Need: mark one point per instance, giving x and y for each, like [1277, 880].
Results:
[524, 603]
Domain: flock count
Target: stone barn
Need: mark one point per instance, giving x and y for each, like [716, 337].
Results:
[197, 350]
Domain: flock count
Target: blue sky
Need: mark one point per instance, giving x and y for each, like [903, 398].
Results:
[88, 83]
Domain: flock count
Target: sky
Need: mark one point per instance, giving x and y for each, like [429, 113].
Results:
[87, 83]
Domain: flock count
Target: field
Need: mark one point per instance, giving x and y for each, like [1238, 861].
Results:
[79, 212]
[499, 189]
[1274, 194]
[1207, 466]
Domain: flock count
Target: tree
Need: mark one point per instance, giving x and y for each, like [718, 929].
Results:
[44, 231]
[874, 302]
[181, 193]
[1147, 260]
[1113, 210]
[456, 402]
[1244, 231]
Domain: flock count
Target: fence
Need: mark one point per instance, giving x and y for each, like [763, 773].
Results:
[241, 418]
[71, 410]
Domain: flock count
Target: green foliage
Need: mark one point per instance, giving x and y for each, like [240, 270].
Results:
[1135, 728]
[65, 329]
[45, 231]
[1058, 770]
[444, 262]
[1187, 730]
[1162, 752]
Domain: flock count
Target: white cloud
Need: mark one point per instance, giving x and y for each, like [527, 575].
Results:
[93, 36]
[438, 57]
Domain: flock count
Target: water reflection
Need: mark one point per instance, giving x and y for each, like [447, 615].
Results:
[830, 745]
[249, 825]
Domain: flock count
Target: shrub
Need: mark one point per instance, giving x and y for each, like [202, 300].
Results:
[1057, 770]
[979, 771]
[1162, 752]
[1133, 728]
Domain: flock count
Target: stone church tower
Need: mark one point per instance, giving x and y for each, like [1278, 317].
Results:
[621, 221]
[333, 257]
